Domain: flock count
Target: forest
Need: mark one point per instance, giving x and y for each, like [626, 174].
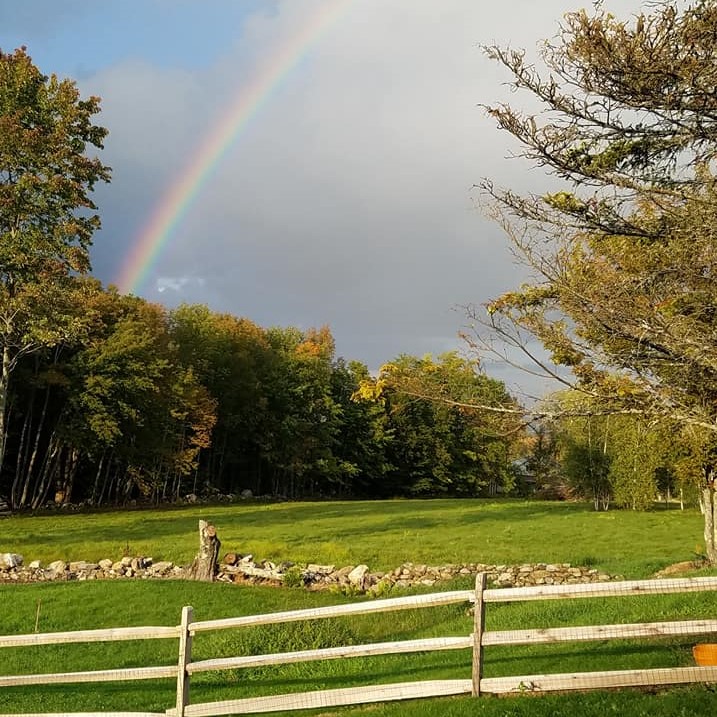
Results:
[149, 405]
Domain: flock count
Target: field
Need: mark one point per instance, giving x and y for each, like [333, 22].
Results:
[382, 535]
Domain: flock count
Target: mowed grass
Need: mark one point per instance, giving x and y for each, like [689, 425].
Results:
[104, 604]
[381, 534]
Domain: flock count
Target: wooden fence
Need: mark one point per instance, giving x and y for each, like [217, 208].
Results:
[478, 640]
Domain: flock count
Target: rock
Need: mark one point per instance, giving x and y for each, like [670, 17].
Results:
[246, 494]
[314, 575]
[191, 498]
[81, 566]
[8, 561]
[357, 576]
[57, 567]
[676, 569]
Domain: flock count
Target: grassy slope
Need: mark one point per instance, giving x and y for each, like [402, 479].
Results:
[382, 534]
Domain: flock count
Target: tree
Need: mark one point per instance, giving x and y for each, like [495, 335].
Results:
[364, 436]
[46, 215]
[541, 461]
[230, 356]
[624, 256]
[440, 444]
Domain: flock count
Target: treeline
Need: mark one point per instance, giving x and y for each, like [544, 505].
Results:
[148, 404]
[622, 460]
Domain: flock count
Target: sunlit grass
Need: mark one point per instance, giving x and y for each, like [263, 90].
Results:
[103, 604]
[381, 534]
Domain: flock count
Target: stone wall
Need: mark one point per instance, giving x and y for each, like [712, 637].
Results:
[350, 578]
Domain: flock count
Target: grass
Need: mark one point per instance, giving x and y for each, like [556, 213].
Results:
[103, 604]
[380, 534]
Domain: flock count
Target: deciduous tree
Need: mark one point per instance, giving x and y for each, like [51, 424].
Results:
[624, 255]
[46, 215]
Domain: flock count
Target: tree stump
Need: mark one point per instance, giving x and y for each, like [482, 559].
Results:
[206, 565]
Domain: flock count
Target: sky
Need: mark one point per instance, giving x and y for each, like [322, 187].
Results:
[301, 162]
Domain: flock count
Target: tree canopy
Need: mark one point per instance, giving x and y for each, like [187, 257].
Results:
[624, 255]
[47, 217]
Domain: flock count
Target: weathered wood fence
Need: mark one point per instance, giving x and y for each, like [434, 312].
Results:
[478, 640]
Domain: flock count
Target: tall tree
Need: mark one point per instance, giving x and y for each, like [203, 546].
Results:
[230, 357]
[624, 256]
[440, 443]
[46, 215]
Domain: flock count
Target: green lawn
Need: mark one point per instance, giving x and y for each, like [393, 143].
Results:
[103, 604]
[383, 535]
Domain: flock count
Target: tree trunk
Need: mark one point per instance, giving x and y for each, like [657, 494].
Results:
[4, 384]
[21, 463]
[48, 473]
[710, 503]
[206, 564]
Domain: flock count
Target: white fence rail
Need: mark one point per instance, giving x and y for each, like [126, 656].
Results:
[478, 640]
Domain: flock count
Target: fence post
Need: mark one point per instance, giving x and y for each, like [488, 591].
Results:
[478, 627]
[185, 657]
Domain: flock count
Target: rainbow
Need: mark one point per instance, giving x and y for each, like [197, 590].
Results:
[174, 204]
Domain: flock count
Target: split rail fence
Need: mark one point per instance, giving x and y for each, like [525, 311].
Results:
[478, 640]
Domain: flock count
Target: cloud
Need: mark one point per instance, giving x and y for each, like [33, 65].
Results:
[177, 283]
[348, 197]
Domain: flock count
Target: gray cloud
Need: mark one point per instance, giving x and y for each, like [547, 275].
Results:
[347, 199]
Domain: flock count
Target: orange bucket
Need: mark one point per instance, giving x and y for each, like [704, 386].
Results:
[705, 654]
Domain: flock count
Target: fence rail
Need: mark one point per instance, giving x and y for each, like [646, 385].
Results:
[478, 640]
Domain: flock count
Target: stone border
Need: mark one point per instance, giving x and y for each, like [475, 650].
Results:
[243, 569]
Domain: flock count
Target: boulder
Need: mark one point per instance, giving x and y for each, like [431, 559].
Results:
[161, 567]
[357, 576]
[57, 567]
[8, 561]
